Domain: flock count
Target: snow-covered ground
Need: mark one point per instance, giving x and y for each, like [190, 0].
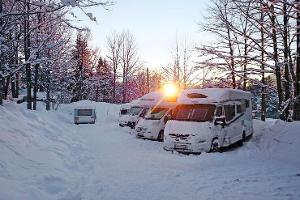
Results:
[43, 155]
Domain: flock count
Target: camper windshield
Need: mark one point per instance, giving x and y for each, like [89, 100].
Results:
[156, 113]
[198, 112]
[135, 110]
[123, 111]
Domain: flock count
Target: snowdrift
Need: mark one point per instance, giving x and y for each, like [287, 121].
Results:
[43, 155]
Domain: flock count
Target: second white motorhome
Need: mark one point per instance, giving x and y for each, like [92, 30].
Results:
[152, 125]
[135, 111]
[207, 119]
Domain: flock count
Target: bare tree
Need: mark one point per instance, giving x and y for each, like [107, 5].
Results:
[181, 70]
[114, 43]
[129, 60]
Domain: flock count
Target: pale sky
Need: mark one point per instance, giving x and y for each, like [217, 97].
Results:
[155, 24]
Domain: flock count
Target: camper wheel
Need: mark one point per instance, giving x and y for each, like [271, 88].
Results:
[160, 136]
[241, 142]
[215, 145]
[244, 136]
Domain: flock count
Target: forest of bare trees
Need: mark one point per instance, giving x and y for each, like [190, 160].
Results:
[255, 47]
[257, 39]
[40, 52]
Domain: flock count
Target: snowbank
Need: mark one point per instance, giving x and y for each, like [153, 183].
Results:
[43, 155]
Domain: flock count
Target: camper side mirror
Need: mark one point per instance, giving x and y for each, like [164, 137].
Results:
[167, 117]
[220, 121]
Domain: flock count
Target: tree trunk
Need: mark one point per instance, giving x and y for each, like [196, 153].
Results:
[263, 89]
[286, 59]
[6, 87]
[114, 86]
[37, 66]
[124, 84]
[1, 89]
[13, 86]
[27, 55]
[148, 85]
[35, 86]
[14, 78]
[230, 51]
[17, 85]
[1, 78]
[245, 65]
[297, 88]
[48, 101]
[275, 58]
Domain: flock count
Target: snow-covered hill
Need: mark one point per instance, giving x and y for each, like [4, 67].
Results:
[43, 155]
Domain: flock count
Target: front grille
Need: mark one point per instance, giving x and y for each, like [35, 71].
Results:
[179, 136]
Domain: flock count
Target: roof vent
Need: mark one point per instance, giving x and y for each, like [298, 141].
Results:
[196, 95]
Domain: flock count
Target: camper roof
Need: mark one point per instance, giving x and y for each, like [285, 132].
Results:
[211, 95]
[155, 98]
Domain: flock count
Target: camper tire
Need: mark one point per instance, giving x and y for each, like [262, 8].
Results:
[132, 125]
[160, 136]
[244, 137]
[241, 142]
[215, 145]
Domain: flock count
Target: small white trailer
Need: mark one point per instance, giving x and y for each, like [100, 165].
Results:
[84, 115]
[152, 125]
[207, 119]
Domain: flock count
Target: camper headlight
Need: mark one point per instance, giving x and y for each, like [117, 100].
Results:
[201, 140]
[141, 129]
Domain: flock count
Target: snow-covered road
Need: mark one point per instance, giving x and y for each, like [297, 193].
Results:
[130, 168]
[104, 161]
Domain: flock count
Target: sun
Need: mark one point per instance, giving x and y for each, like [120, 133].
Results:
[170, 90]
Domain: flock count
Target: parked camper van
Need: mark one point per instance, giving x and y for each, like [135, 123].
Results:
[207, 119]
[152, 125]
[123, 115]
[134, 113]
[84, 115]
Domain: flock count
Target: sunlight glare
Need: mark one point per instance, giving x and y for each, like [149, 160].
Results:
[170, 90]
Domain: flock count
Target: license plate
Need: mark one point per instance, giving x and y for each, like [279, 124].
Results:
[180, 146]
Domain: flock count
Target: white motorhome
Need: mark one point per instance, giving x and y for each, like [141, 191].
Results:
[207, 119]
[84, 115]
[152, 125]
[134, 113]
[123, 114]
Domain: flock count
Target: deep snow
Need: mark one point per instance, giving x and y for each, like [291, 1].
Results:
[43, 155]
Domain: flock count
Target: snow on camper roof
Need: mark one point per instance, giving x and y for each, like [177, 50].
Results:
[155, 98]
[211, 95]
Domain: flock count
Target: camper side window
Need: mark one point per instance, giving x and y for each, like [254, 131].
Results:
[247, 103]
[229, 112]
[243, 105]
[238, 108]
[219, 111]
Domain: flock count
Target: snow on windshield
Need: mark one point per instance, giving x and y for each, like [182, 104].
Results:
[135, 110]
[156, 113]
[201, 112]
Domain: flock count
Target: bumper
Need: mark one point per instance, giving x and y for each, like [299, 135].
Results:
[84, 122]
[123, 123]
[146, 135]
[187, 147]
